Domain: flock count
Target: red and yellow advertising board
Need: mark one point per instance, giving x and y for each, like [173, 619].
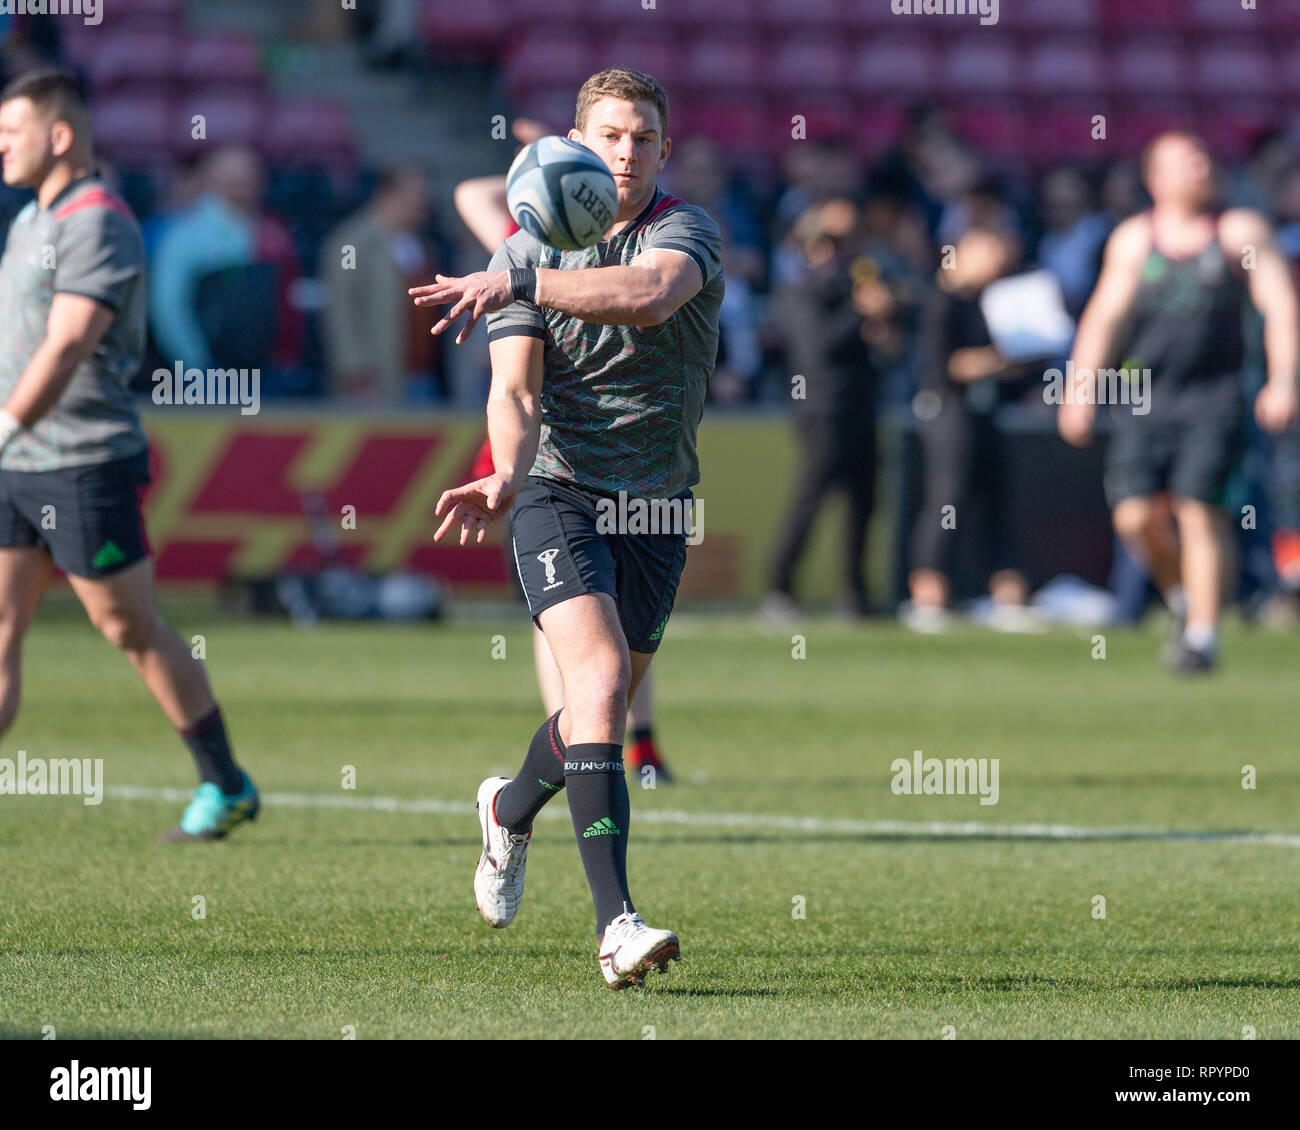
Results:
[227, 498]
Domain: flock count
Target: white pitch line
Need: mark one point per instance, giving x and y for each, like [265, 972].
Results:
[813, 824]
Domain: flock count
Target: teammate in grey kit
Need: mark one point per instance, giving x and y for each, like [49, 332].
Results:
[73, 457]
[601, 362]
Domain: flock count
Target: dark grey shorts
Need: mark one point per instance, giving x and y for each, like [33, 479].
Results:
[560, 552]
[87, 517]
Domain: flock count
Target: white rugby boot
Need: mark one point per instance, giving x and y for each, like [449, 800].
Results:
[499, 876]
[629, 949]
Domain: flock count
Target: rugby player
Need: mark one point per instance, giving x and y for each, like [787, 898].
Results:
[73, 456]
[1171, 301]
[601, 361]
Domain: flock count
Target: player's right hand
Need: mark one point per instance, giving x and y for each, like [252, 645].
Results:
[1074, 421]
[474, 505]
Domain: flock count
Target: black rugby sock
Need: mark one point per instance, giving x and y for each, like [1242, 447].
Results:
[211, 749]
[599, 805]
[541, 777]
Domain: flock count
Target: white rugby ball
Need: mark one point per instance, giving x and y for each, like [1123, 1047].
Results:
[559, 191]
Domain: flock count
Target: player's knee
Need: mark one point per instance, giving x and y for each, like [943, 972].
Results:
[127, 631]
[1134, 519]
[602, 683]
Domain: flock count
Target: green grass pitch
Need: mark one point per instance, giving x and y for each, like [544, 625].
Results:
[332, 912]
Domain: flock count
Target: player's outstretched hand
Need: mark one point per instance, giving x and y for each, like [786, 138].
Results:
[476, 294]
[1074, 422]
[474, 506]
[1277, 406]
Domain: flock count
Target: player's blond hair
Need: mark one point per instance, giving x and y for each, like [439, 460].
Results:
[620, 82]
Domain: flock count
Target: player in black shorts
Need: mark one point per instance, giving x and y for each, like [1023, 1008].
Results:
[1171, 301]
[73, 457]
[601, 361]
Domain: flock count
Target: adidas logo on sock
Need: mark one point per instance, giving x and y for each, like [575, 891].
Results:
[603, 827]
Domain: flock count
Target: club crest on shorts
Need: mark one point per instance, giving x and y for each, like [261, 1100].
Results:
[547, 557]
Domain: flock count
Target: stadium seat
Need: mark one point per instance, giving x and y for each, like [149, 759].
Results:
[1231, 133]
[228, 119]
[1131, 130]
[1053, 15]
[718, 16]
[142, 58]
[1144, 15]
[737, 125]
[785, 16]
[1065, 66]
[656, 53]
[1065, 134]
[806, 64]
[724, 63]
[477, 28]
[135, 129]
[998, 132]
[983, 65]
[523, 13]
[824, 118]
[310, 132]
[894, 65]
[1281, 16]
[876, 129]
[1150, 66]
[1241, 67]
[554, 106]
[547, 57]
[221, 60]
[1220, 16]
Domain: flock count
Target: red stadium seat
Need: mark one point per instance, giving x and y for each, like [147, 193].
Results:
[656, 53]
[478, 28]
[824, 118]
[875, 130]
[1241, 67]
[555, 106]
[1231, 133]
[1224, 16]
[1066, 66]
[524, 13]
[893, 65]
[309, 131]
[1281, 16]
[548, 57]
[720, 16]
[229, 118]
[806, 64]
[1144, 15]
[139, 57]
[980, 64]
[134, 129]
[993, 132]
[1065, 134]
[728, 63]
[1053, 15]
[1150, 66]
[785, 16]
[221, 60]
[1131, 130]
[737, 125]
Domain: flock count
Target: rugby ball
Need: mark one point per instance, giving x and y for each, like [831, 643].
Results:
[563, 194]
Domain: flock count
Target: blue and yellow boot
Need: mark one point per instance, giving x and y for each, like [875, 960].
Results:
[212, 813]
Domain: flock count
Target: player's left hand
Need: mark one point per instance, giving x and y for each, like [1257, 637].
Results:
[1277, 406]
[477, 294]
[474, 505]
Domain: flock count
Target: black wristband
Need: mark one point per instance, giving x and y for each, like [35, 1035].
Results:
[523, 283]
